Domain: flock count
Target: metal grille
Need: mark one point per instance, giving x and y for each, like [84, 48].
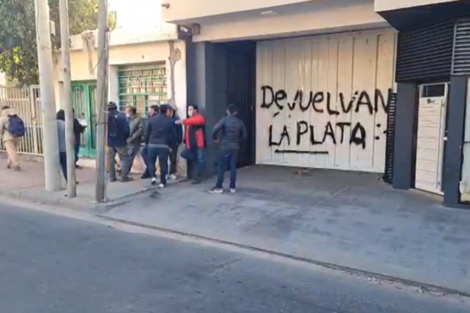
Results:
[461, 53]
[140, 85]
[425, 53]
[27, 104]
[390, 143]
[84, 104]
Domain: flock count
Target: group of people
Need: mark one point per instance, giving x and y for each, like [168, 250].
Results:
[162, 134]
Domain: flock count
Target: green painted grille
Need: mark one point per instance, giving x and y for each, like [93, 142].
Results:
[84, 105]
[141, 85]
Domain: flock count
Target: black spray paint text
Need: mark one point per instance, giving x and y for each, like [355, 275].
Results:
[319, 101]
[315, 136]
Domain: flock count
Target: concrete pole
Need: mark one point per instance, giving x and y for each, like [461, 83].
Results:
[53, 179]
[102, 95]
[67, 105]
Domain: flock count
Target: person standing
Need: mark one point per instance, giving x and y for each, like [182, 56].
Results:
[154, 109]
[62, 142]
[78, 130]
[195, 139]
[118, 133]
[229, 132]
[159, 133]
[171, 113]
[136, 126]
[11, 130]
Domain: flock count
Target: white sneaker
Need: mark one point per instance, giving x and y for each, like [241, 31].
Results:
[161, 186]
[173, 177]
[154, 181]
[233, 190]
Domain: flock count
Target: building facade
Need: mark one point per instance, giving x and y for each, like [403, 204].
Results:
[357, 85]
[433, 66]
[145, 67]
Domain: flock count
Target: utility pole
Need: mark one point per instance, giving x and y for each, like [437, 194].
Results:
[53, 179]
[67, 105]
[102, 95]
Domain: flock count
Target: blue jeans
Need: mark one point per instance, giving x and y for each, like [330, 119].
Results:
[227, 160]
[197, 156]
[162, 155]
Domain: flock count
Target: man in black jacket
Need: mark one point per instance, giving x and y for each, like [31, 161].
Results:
[159, 134]
[229, 132]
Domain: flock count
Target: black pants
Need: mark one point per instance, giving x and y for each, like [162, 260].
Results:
[162, 155]
[173, 156]
[63, 163]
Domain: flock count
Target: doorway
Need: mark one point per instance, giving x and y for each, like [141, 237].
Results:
[241, 91]
[84, 105]
[432, 108]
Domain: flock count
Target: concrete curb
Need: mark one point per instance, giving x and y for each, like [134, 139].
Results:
[74, 204]
[378, 276]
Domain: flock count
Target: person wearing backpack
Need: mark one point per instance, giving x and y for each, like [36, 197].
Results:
[11, 130]
[118, 133]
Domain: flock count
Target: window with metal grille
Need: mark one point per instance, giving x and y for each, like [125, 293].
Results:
[142, 85]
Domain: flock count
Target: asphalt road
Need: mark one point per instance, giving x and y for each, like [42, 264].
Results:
[51, 264]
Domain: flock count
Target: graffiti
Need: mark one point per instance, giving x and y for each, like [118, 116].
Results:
[321, 102]
[335, 133]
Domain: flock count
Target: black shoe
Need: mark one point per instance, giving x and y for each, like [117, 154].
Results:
[112, 180]
[126, 179]
[196, 182]
[216, 190]
[145, 176]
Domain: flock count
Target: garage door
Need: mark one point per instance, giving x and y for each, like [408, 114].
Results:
[322, 101]
[140, 85]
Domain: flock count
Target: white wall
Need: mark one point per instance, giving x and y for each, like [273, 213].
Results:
[387, 5]
[182, 10]
[3, 79]
[312, 18]
[341, 69]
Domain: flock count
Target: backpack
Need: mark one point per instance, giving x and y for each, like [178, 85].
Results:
[16, 126]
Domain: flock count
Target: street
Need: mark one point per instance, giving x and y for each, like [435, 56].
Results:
[55, 264]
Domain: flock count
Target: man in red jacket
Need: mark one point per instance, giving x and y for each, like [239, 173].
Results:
[195, 140]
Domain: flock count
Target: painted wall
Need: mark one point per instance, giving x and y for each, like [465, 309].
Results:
[84, 68]
[3, 79]
[183, 10]
[319, 17]
[321, 101]
[387, 5]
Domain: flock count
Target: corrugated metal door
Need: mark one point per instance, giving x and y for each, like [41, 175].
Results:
[431, 132]
[322, 101]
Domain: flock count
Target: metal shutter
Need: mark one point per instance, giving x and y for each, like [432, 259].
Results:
[425, 53]
[390, 141]
[461, 55]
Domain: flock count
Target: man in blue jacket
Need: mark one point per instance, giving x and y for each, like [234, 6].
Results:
[118, 133]
[176, 141]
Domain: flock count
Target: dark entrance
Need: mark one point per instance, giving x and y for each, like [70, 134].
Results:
[219, 74]
[241, 91]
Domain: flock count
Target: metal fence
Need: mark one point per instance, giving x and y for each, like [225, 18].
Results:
[27, 104]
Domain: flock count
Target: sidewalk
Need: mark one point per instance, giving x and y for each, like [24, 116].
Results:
[346, 219]
[29, 185]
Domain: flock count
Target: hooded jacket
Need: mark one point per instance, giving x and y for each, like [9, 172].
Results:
[4, 124]
[118, 129]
